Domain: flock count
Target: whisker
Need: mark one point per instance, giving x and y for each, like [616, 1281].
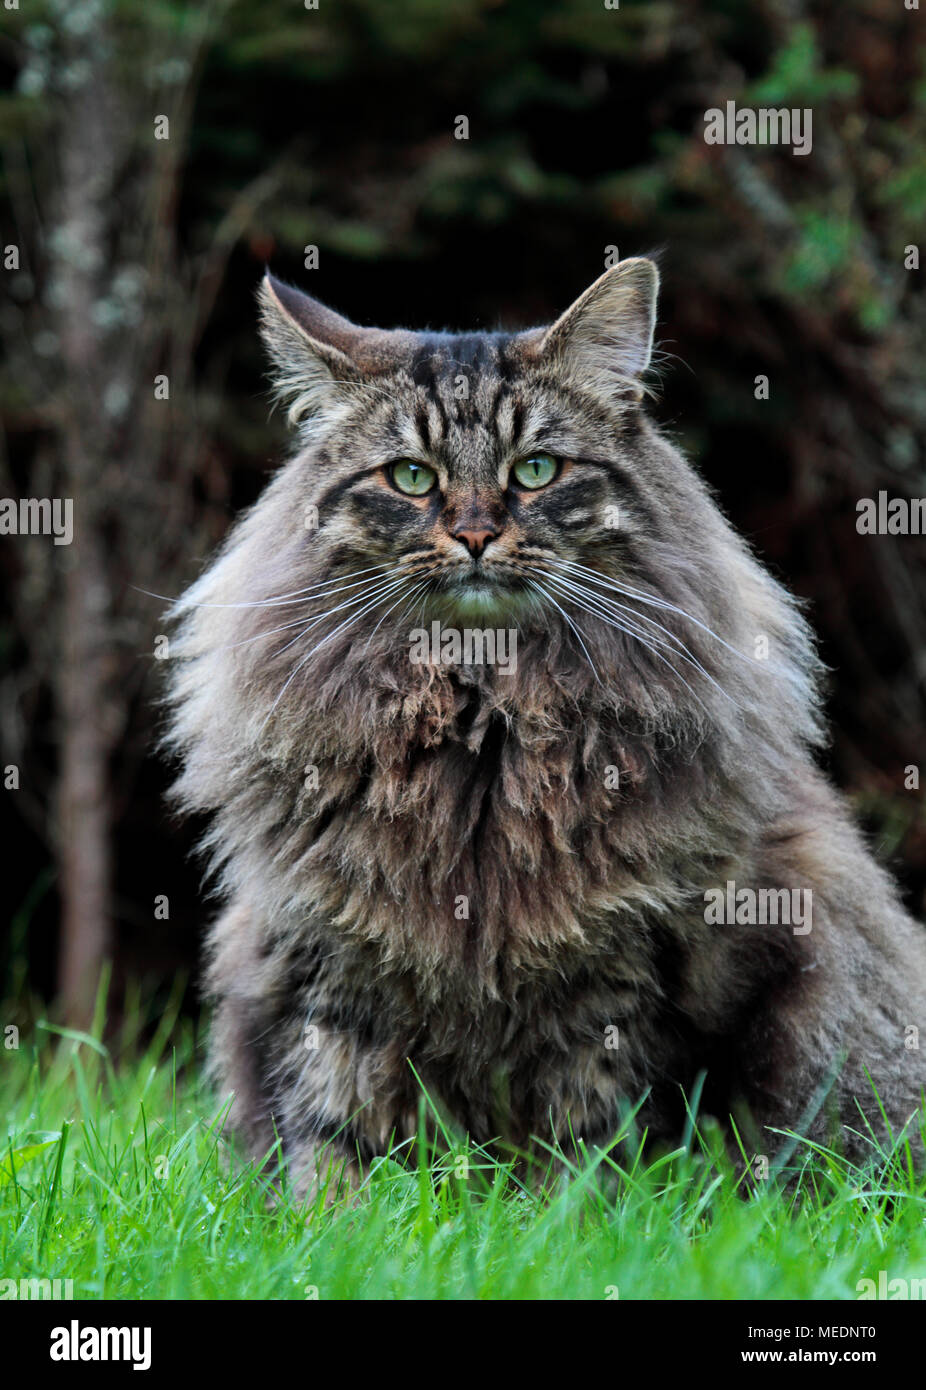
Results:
[389, 610]
[410, 598]
[267, 602]
[348, 622]
[643, 642]
[339, 583]
[301, 621]
[387, 587]
[572, 585]
[536, 585]
[608, 582]
[422, 589]
[605, 606]
[424, 597]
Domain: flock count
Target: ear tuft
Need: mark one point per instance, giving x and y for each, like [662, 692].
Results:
[318, 355]
[302, 337]
[605, 338]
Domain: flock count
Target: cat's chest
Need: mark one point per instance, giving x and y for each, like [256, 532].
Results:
[462, 851]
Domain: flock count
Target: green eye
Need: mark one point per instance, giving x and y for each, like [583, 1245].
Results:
[536, 471]
[414, 478]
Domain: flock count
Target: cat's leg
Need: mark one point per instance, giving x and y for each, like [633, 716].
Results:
[854, 1010]
[325, 1082]
[340, 1099]
[235, 983]
[248, 985]
[835, 1055]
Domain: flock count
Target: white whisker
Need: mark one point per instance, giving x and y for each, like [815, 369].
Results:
[580, 603]
[389, 610]
[348, 622]
[630, 625]
[610, 583]
[301, 621]
[388, 586]
[293, 594]
[535, 585]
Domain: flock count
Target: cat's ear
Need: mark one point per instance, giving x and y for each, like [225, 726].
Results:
[605, 338]
[317, 354]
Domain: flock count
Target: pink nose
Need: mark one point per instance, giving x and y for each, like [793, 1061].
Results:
[475, 541]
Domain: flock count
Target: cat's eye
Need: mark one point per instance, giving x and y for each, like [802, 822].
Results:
[413, 478]
[536, 471]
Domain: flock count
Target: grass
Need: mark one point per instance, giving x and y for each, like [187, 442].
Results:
[118, 1174]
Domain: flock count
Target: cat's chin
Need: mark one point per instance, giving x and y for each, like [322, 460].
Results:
[475, 599]
[486, 602]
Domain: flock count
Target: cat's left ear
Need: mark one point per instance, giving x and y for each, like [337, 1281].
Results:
[605, 338]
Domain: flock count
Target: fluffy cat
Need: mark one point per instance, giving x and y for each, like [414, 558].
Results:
[505, 878]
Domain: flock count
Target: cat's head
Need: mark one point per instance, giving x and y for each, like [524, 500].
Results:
[482, 467]
[489, 481]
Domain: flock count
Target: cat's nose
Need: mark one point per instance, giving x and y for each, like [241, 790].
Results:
[475, 541]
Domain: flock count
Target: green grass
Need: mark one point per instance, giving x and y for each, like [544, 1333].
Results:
[117, 1174]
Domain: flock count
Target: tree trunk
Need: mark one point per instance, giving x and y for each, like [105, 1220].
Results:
[84, 829]
[82, 251]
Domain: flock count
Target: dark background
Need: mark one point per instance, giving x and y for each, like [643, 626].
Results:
[335, 128]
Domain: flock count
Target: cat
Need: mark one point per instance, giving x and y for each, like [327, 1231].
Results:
[519, 888]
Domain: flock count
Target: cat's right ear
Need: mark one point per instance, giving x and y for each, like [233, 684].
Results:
[311, 348]
[319, 355]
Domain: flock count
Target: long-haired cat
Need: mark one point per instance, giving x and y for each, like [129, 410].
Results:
[556, 886]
